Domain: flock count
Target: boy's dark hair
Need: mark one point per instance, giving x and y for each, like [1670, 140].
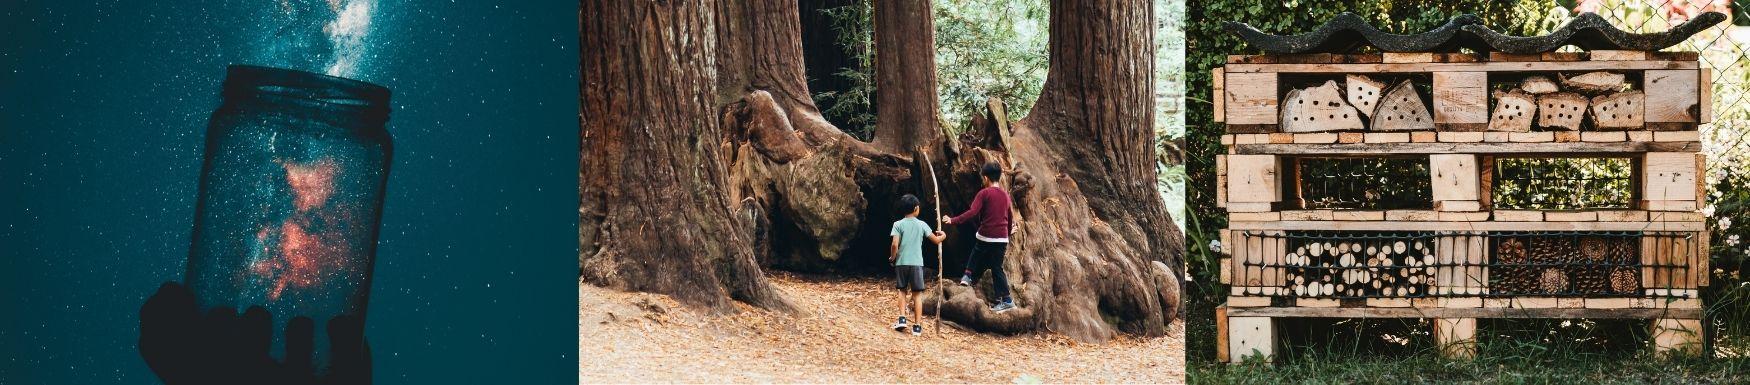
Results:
[907, 203]
[992, 171]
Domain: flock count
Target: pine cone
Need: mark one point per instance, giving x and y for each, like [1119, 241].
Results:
[1508, 278]
[1554, 280]
[1624, 281]
[1593, 275]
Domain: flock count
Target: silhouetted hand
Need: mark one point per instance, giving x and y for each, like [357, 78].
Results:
[185, 347]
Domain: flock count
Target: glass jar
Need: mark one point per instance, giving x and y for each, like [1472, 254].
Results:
[291, 198]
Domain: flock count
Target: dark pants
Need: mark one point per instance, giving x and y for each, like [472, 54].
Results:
[989, 255]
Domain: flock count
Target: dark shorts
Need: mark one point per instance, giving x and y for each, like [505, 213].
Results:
[909, 276]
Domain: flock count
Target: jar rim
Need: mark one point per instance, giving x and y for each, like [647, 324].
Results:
[307, 88]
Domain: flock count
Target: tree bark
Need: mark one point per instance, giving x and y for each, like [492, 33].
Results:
[652, 210]
[1094, 250]
[905, 77]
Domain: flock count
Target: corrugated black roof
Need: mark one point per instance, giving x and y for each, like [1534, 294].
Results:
[1348, 33]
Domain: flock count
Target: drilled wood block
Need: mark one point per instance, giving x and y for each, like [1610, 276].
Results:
[1514, 111]
[1250, 98]
[1402, 110]
[1461, 97]
[1619, 111]
[1561, 110]
[1363, 93]
[1672, 95]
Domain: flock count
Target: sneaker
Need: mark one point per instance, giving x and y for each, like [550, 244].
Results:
[965, 280]
[917, 330]
[900, 327]
[1003, 306]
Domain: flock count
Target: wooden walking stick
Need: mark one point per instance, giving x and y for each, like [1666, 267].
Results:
[942, 290]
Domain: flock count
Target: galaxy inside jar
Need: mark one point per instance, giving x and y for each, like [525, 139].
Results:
[291, 196]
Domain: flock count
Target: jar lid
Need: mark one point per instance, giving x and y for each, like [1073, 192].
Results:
[308, 89]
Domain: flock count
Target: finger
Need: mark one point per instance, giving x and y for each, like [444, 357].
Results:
[167, 321]
[256, 330]
[300, 345]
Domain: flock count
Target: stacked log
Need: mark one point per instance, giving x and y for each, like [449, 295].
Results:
[1566, 104]
[1360, 268]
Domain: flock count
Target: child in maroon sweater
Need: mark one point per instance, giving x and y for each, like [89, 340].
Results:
[990, 213]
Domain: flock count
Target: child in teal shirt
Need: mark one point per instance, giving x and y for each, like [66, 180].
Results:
[908, 262]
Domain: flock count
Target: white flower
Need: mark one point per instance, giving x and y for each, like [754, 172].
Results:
[1725, 223]
[1732, 240]
[1707, 211]
[1215, 245]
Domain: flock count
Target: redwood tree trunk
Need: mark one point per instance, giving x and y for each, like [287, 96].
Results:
[1094, 251]
[653, 213]
[905, 77]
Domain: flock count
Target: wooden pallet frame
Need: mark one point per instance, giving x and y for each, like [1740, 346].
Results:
[1256, 189]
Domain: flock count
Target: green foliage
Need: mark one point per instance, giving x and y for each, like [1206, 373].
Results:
[854, 108]
[989, 48]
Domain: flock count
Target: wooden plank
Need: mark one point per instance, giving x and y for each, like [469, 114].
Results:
[1263, 216]
[1706, 99]
[1490, 66]
[1357, 215]
[1466, 148]
[1460, 136]
[1408, 57]
[1518, 215]
[1253, 179]
[1603, 136]
[1461, 312]
[1570, 216]
[1671, 95]
[1456, 337]
[1622, 215]
[1307, 215]
[1617, 55]
[1386, 137]
[1249, 207]
[1668, 176]
[1242, 301]
[1221, 338]
[1411, 215]
[1250, 336]
[1461, 97]
[1541, 136]
[1426, 225]
[1219, 97]
[1251, 98]
[1424, 137]
[1454, 179]
[1316, 138]
[1676, 136]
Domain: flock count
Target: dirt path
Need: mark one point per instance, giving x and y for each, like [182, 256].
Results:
[843, 337]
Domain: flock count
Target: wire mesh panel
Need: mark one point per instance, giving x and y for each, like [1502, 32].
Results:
[1386, 264]
[1366, 183]
[1563, 183]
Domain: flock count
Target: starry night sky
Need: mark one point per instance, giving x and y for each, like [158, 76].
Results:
[103, 110]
